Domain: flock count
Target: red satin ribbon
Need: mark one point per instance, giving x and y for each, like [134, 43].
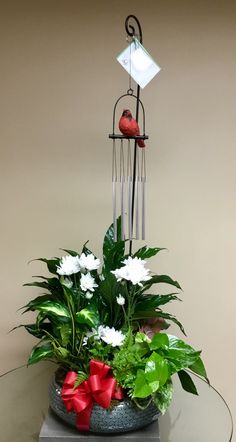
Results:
[100, 387]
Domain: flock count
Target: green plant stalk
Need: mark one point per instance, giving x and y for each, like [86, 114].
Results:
[72, 323]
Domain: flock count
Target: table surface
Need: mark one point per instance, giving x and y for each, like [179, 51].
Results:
[24, 406]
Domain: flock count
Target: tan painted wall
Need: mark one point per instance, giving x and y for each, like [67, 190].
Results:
[58, 82]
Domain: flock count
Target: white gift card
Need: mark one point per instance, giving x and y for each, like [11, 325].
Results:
[138, 63]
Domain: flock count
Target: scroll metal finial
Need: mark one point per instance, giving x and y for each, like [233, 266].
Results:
[130, 29]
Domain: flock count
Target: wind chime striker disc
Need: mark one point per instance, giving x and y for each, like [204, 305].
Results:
[138, 63]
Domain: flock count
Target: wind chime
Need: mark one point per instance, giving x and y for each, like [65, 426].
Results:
[128, 151]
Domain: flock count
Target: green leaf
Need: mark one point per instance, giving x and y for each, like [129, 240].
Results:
[151, 302]
[157, 279]
[62, 352]
[141, 389]
[70, 252]
[147, 252]
[86, 250]
[42, 284]
[88, 317]
[157, 369]
[198, 367]
[163, 397]
[187, 382]
[32, 305]
[51, 264]
[39, 333]
[113, 252]
[48, 306]
[140, 337]
[80, 378]
[39, 353]
[172, 318]
[109, 288]
[180, 354]
[65, 333]
[159, 340]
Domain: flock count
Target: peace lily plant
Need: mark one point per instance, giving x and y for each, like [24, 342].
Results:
[107, 312]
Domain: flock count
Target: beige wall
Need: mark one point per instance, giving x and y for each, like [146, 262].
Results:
[58, 83]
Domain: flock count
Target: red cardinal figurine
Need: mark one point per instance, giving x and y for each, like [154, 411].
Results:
[129, 126]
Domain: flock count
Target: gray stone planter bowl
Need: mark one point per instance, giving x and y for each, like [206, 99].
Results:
[123, 416]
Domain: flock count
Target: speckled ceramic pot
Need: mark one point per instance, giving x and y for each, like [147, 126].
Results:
[122, 416]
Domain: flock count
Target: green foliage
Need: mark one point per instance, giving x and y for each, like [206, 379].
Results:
[187, 382]
[41, 352]
[147, 252]
[69, 320]
[163, 396]
[88, 317]
[113, 252]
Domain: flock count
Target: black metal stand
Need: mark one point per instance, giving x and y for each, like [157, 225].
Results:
[131, 23]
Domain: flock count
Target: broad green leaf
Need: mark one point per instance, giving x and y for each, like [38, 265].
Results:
[42, 284]
[32, 305]
[88, 317]
[62, 352]
[65, 333]
[39, 353]
[159, 340]
[86, 250]
[157, 314]
[39, 333]
[113, 252]
[151, 302]
[70, 252]
[163, 397]
[172, 318]
[50, 307]
[187, 382]
[34, 330]
[198, 367]
[53, 285]
[51, 264]
[157, 279]
[180, 354]
[147, 252]
[141, 389]
[157, 369]
[110, 288]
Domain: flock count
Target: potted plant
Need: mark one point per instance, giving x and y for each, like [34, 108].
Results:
[106, 329]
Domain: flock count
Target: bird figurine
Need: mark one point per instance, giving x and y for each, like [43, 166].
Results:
[129, 126]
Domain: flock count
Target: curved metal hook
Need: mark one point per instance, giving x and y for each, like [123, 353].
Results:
[130, 29]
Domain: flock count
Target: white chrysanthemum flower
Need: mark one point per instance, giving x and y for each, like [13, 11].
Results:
[133, 271]
[87, 282]
[120, 300]
[111, 336]
[88, 295]
[89, 262]
[67, 282]
[68, 265]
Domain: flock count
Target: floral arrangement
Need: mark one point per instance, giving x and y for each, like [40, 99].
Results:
[95, 314]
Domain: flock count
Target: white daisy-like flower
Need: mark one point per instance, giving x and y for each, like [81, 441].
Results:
[67, 282]
[120, 300]
[111, 336]
[89, 262]
[68, 265]
[133, 271]
[88, 295]
[87, 282]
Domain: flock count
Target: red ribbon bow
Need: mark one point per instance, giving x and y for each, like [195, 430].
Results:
[100, 387]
